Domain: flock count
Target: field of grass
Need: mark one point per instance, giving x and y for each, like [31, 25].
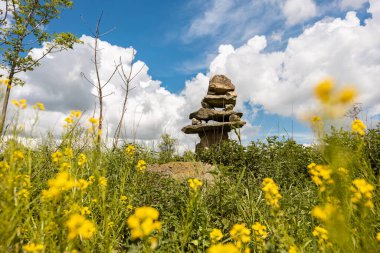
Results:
[270, 196]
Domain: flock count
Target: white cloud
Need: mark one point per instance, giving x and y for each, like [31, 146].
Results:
[355, 4]
[297, 11]
[340, 48]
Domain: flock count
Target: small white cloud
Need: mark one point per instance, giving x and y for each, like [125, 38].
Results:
[297, 11]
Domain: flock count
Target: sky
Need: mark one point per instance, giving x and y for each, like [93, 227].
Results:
[274, 51]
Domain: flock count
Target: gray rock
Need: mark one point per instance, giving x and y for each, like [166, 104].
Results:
[205, 105]
[234, 117]
[195, 121]
[219, 100]
[219, 126]
[212, 114]
[229, 107]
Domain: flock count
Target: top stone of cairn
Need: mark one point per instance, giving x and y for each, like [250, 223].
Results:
[220, 85]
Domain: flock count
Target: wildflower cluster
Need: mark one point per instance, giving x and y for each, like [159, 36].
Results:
[322, 235]
[82, 159]
[362, 192]
[216, 235]
[20, 103]
[144, 222]
[321, 175]
[241, 234]
[72, 118]
[194, 183]
[39, 106]
[61, 183]
[358, 127]
[78, 225]
[272, 193]
[141, 166]
[260, 231]
[130, 150]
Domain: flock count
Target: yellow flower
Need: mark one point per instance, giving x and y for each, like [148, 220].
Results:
[110, 224]
[240, 233]
[358, 127]
[292, 249]
[82, 159]
[315, 119]
[61, 183]
[323, 90]
[23, 103]
[18, 155]
[320, 175]
[194, 183]
[260, 231]
[321, 234]
[93, 121]
[16, 103]
[39, 106]
[362, 192]
[23, 193]
[325, 213]
[83, 184]
[4, 165]
[85, 210]
[68, 152]
[79, 226]
[272, 194]
[32, 247]
[216, 235]
[143, 222]
[5, 82]
[223, 248]
[56, 156]
[102, 181]
[123, 198]
[378, 236]
[130, 150]
[75, 114]
[65, 166]
[347, 95]
[92, 179]
[141, 165]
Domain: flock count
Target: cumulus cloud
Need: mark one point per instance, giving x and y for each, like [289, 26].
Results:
[297, 11]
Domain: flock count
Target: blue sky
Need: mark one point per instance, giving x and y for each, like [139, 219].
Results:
[273, 50]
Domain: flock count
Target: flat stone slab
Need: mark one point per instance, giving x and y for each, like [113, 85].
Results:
[212, 114]
[220, 84]
[225, 126]
[220, 100]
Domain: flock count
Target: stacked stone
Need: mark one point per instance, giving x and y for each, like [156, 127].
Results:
[221, 94]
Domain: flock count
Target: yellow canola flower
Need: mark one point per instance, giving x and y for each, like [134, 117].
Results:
[123, 198]
[85, 210]
[315, 119]
[272, 192]
[362, 191]
[378, 236]
[320, 175]
[75, 114]
[18, 155]
[83, 184]
[324, 213]
[32, 247]
[82, 159]
[323, 90]
[143, 222]
[130, 150]
[68, 152]
[223, 248]
[216, 235]
[56, 156]
[4, 165]
[5, 82]
[358, 126]
[102, 182]
[240, 234]
[23, 193]
[322, 235]
[347, 95]
[79, 226]
[141, 166]
[260, 231]
[16, 103]
[194, 183]
[23, 103]
[40, 106]
[292, 249]
[61, 183]
[93, 121]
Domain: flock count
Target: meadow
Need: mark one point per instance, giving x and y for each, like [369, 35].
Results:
[273, 195]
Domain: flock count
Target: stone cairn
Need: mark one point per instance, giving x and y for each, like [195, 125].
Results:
[221, 94]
